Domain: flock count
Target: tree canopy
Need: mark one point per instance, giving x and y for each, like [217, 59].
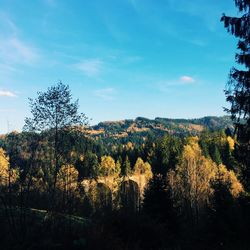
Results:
[54, 109]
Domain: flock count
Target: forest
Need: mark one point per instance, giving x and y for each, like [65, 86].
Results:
[63, 189]
[132, 184]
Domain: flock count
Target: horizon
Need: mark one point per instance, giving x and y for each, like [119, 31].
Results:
[134, 119]
[157, 117]
[123, 59]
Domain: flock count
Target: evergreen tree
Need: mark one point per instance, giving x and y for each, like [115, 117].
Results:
[126, 167]
[238, 88]
[88, 167]
[204, 148]
[215, 154]
[223, 214]
[157, 201]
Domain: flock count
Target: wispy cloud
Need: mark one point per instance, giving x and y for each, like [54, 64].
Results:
[90, 67]
[7, 25]
[171, 84]
[7, 68]
[16, 51]
[187, 79]
[13, 49]
[209, 12]
[197, 42]
[106, 93]
[7, 93]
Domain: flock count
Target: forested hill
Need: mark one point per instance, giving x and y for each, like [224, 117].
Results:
[158, 126]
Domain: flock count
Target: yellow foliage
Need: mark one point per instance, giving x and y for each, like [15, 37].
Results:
[100, 195]
[229, 178]
[118, 167]
[67, 178]
[14, 173]
[231, 142]
[81, 157]
[193, 140]
[143, 168]
[71, 153]
[38, 181]
[148, 171]
[4, 168]
[107, 166]
[7, 175]
[192, 179]
[139, 166]
[129, 146]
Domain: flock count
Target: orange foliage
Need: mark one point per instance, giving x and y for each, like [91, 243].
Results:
[7, 175]
[228, 177]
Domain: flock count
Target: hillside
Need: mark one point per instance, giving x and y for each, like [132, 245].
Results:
[142, 126]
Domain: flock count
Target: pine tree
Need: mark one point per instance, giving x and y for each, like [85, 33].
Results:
[215, 154]
[238, 87]
[126, 167]
[158, 202]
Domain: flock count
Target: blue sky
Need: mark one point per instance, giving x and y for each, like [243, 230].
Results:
[121, 58]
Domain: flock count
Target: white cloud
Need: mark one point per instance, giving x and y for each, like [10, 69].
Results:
[187, 79]
[166, 85]
[24, 51]
[13, 49]
[106, 94]
[7, 93]
[90, 67]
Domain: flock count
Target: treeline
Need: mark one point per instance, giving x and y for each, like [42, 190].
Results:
[138, 129]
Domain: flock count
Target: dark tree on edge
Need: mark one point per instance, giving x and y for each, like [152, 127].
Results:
[238, 87]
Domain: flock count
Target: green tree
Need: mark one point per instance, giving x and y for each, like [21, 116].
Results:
[87, 166]
[166, 154]
[126, 167]
[158, 202]
[238, 87]
[215, 153]
[204, 147]
[54, 111]
[118, 167]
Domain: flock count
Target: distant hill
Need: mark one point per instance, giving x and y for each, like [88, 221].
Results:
[142, 126]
